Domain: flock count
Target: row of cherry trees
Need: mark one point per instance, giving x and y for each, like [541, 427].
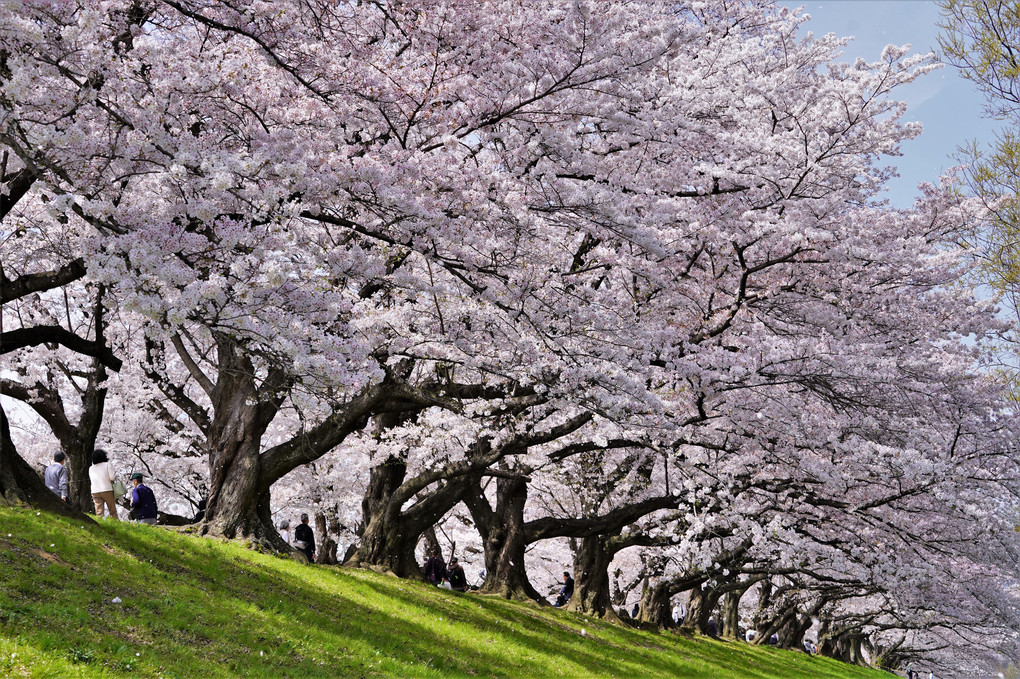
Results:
[614, 277]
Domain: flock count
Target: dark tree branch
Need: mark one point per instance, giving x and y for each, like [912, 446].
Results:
[53, 334]
[21, 286]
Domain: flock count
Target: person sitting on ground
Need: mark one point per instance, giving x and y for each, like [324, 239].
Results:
[101, 478]
[566, 592]
[435, 568]
[455, 574]
[56, 475]
[304, 539]
[143, 501]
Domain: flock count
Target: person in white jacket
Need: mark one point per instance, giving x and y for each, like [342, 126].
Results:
[102, 477]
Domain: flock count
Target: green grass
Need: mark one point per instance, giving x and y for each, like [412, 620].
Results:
[194, 607]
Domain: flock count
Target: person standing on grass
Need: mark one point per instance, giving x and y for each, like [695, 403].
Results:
[143, 501]
[304, 539]
[56, 475]
[101, 477]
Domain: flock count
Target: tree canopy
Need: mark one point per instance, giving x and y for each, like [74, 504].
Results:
[614, 281]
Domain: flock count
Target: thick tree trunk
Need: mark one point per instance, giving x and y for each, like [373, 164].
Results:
[591, 577]
[238, 504]
[79, 454]
[325, 551]
[235, 495]
[502, 532]
[695, 605]
[857, 643]
[703, 602]
[761, 618]
[392, 531]
[79, 487]
[655, 605]
[792, 635]
[20, 485]
[386, 541]
[729, 627]
[827, 645]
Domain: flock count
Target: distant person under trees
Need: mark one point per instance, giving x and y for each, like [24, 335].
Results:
[285, 530]
[56, 475]
[101, 477]
[566, 592]
[455, 576]
[143, 501]
[304, 539]
[435, 568]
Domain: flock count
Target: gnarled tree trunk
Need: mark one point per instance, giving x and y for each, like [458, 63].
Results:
[655, 605]
[703, 602]
[386, 541]
[238, 504]
[503, 539]
[729, 625]
[591, 577]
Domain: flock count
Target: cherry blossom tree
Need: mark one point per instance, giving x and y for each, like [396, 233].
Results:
[465, 251]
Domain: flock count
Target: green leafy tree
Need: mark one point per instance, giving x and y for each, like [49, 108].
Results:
[982, 38]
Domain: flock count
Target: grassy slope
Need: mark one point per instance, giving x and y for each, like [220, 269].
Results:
[196, 607]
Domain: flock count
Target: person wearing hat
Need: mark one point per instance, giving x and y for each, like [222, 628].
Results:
[143, 501]
[304, 539]
[456, 577]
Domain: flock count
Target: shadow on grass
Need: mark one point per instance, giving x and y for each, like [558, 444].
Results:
[200, 605]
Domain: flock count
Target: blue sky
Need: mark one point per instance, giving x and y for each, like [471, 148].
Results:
[949, 107]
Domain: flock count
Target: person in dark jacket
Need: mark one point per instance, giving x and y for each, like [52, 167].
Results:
[456, 577]
[566, 592]
[143, 501]
[304, 539]
[435, 569]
